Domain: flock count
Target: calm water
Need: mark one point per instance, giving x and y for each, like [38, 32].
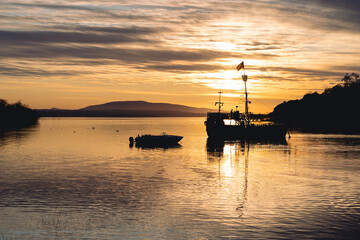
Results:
[78, 178]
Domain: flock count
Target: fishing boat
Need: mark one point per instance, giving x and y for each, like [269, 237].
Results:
[236, 125]
[156, 140]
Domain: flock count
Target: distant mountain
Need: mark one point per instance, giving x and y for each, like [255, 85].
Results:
[143, 106]
[128, 109]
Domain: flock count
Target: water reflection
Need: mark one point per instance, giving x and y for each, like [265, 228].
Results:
[8, 136]
[232, 160]
[231, 156]
[217, 148]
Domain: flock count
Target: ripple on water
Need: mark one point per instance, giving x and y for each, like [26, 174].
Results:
[91, 184]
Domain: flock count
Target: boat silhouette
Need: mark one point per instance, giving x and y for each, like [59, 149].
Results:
[155, 140]
[236, 125]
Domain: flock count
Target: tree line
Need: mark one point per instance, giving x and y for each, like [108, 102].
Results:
[16, 115]
[334, 110]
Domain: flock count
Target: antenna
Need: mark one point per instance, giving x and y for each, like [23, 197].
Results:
[219, 102]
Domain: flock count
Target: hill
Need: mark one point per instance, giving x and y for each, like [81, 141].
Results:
[335, 110]
[128, 109]
[143, 106]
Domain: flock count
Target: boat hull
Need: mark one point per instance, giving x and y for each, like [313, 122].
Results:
[157, 140]
[276, 132]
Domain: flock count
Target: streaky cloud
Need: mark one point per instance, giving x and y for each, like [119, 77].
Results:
[39, 50]
[122, 36]
[301, 71]
[134, 30]
[117, 7]
[33, 72]
[138, 55]
[186, 67]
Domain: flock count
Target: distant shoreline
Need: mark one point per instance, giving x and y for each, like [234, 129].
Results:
[83, 113]
[122, 117]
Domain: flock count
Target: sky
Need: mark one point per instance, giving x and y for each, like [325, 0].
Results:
[71, 54]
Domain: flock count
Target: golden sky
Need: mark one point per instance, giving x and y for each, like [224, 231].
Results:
[71, 54]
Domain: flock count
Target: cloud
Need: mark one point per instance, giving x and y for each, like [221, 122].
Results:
[114, 6]
[134, 30]
[262, 48]
[137, 55]
[299, 71]
[186, 67]
[349, 68]
[331, 15]
[92, 35]
[31, 71]
[345, 5]
[112, 9]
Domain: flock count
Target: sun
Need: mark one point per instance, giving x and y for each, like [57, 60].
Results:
[226, 80]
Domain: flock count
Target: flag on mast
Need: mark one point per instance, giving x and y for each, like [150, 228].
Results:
[240, 66]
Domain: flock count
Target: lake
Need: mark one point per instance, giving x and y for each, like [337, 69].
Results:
[79, 178]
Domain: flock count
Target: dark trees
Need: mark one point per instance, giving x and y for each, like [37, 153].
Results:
[337, 109]
[16, 115]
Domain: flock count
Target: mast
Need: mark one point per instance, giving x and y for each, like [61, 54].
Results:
[246, 99]
[219, 102]
[244, 77]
